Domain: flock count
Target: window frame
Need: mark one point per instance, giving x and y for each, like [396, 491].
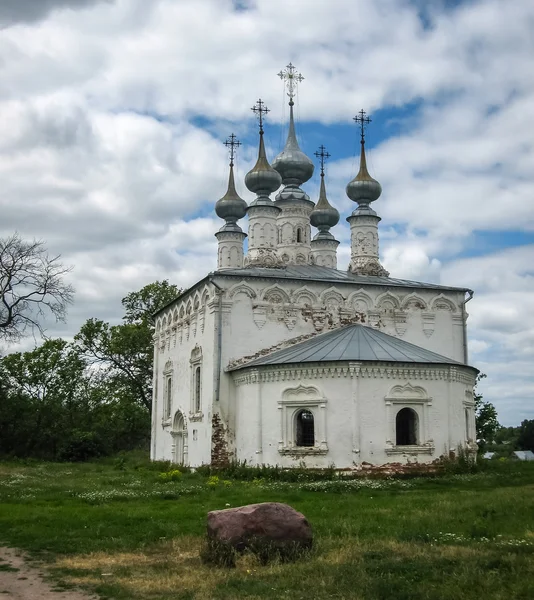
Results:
[195, 391]
[417, 399]
[293, 402]
[168, 392]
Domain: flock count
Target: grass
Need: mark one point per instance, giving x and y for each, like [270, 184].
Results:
[122, 530]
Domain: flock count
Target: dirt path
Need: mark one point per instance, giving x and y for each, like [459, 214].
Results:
[20, 581]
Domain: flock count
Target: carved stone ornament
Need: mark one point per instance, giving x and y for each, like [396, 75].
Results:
[319, 319]
[429, 321]
[371, 267]
[399, 319]
[263, 257]
[259, 316]
[290, 318]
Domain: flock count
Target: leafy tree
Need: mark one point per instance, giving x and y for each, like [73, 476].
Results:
[126, 351]
[46, 392]
[525, 440]
[53, 405]
[486, 421]
[31, 287]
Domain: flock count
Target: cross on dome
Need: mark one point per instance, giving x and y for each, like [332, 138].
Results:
[232, 143]
[291, 79]
[259, 109]
[322, 155]
[362, 120]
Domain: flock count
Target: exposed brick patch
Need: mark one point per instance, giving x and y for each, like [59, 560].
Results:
[220, 455]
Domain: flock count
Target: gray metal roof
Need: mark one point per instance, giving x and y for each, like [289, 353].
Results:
[351, 343]
[317, 273]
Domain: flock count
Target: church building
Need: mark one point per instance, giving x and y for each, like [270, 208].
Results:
[280, 358]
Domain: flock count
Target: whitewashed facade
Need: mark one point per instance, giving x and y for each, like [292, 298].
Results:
[216, 399]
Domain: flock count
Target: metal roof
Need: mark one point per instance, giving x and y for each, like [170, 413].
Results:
[351, 343]
[317, 273]
[524, 454]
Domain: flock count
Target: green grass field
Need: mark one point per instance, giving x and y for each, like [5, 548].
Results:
[119, 529]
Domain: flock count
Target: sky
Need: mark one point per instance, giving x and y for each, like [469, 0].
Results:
[113, 115]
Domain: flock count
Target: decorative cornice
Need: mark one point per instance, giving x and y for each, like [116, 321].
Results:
[274, 373]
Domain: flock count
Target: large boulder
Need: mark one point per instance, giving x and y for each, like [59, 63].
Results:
[265, 528]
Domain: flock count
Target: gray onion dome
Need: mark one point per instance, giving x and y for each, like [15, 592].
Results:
[231, 206]
[324, 215]
[262, 179]
[363, 189]
[292, 164]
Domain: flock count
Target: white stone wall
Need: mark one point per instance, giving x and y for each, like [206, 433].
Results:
[259, 315]
[230, 249]
[294, 233]
[354, 407]
[264, 313]
[186, 331]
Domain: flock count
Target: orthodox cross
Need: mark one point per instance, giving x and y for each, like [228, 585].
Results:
[259, 109]
[362, 120]
[291, 79]
[232, 143]
[322, 155]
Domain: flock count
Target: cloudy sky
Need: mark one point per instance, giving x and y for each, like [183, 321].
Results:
[113, 114]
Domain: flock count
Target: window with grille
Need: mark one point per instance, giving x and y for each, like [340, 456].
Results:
[168, 396]
[305, 428]
[198, 373]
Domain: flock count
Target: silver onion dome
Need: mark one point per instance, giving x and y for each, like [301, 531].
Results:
[293, 165]
[324, 215]
[262, 179]
[231, 206]
[363, 189]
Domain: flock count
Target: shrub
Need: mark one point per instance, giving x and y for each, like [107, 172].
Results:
[174, 475]
[82, 446]
[213, 481]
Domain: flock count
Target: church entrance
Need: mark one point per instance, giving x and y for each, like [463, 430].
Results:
[406, 425]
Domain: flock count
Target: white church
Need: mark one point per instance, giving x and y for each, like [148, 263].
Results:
[280, 358]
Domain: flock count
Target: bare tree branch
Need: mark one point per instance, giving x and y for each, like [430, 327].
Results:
[31, 288]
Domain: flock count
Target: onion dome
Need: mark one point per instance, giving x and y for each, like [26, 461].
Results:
[324, 215]
[262, 179]
[231, 206]
[363, 189]
[292, 164]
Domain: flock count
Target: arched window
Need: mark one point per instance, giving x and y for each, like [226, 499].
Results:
[299, 235]
[305, 428]
[198, 373]
[406, 426]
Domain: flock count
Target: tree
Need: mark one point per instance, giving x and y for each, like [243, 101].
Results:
[31, 287]
[46, 396]
[126, 351]
[54, 406]
[486, 421]
[525, 440]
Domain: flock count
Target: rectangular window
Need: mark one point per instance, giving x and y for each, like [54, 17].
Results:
[168, 398]
[198, 373]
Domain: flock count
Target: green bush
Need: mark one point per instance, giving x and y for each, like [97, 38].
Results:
[82, 446]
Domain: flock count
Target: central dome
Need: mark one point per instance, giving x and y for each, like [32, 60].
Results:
[292, 164]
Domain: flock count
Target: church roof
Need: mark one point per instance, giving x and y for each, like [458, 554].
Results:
[351, 343]
[317, 273]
